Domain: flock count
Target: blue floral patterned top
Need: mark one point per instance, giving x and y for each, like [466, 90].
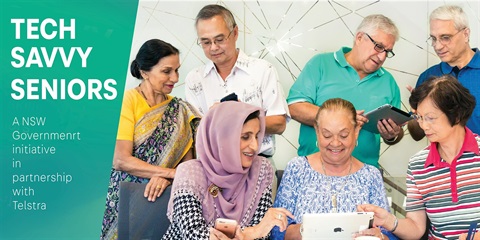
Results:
[304, 190]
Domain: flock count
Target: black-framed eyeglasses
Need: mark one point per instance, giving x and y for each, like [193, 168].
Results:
[220, 40]
[379, 48]
[443, 39]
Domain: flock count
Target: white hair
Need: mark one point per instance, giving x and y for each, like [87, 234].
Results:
[453, 13]
[372, 23]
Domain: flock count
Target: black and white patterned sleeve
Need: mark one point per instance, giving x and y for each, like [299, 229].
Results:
[264, 204]
[187, 220]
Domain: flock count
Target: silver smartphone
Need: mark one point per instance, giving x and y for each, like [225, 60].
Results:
[226, 226]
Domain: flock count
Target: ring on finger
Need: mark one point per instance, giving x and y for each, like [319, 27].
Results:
[279, 216]
[159, 187]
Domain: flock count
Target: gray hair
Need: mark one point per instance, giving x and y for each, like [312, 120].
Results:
[213, 10]
[374, 22]
[452, 13]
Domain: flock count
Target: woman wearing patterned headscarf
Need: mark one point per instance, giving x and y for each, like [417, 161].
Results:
[228, 180]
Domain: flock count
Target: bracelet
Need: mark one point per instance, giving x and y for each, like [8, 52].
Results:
[395, 224]
[391, 140]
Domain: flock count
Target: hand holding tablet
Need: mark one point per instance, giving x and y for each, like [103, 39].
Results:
[386, 111]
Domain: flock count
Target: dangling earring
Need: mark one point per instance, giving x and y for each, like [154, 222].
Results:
[356, 144]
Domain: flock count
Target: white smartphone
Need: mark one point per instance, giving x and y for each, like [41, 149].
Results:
[226, 226]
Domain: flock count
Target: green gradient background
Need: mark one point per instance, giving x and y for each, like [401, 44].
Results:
[74, 210]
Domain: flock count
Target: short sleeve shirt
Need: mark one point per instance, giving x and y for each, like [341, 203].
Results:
[449, 193]
[255, 81]
[468, 76]
[329, 75]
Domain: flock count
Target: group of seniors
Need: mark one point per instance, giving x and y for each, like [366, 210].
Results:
[217, 155]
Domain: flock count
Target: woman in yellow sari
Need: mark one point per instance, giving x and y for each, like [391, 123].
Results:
[156, 131]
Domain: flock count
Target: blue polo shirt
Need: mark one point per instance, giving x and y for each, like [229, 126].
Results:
[329, 75]
[468, 76]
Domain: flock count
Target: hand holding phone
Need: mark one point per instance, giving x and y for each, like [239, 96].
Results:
[226, 226]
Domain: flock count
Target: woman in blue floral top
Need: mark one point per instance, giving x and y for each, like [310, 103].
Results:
[331, 180]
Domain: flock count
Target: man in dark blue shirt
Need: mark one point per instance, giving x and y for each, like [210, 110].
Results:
[450, 36]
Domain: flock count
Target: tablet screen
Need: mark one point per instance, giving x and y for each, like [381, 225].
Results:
[386, 111]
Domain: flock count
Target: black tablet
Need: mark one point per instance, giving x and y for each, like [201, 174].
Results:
[230, 97]
[386, 111]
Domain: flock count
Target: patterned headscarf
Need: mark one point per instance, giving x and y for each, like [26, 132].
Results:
[219, 163]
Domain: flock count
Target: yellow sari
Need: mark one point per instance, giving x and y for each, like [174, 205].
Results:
[162, 137]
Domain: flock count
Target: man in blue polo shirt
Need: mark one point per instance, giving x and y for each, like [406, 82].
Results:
[449, 36]
[354, 74]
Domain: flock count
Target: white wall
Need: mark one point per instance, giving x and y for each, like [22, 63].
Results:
[289, 33]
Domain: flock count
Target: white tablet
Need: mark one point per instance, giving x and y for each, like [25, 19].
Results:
[386, 111]
[334, 225]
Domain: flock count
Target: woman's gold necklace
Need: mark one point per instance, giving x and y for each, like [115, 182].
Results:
[334, 194]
